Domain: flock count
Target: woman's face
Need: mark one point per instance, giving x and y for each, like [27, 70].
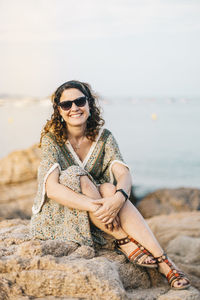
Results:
[75, 116]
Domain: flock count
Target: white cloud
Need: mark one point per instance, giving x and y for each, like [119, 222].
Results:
[62, 20]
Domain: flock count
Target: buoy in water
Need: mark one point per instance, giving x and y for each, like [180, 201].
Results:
[10, 120]
[154, 116]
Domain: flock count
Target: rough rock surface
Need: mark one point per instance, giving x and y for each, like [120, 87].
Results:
[52, 269]
[18, 183]
[16, 200]
[167, 201]
[20, 166]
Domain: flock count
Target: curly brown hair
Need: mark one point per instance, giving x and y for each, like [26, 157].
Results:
[58, 127]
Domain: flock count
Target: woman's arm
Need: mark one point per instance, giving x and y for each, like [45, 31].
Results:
[66, 196]
[123, 178]
[112, 205]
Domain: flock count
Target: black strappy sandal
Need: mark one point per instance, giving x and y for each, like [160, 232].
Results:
[137, 254]
[174, 274]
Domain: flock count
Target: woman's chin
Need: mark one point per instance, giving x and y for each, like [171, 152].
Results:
[76, 123]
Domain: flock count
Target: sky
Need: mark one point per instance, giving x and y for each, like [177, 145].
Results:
[123, 48]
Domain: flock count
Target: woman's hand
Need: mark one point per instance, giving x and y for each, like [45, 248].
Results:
[110, 206]
[93, 207]
[115, 225]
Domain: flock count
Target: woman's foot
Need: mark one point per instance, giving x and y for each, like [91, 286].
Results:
[136, 253]
[175, 277]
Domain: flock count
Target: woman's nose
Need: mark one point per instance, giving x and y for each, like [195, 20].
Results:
[74, 106]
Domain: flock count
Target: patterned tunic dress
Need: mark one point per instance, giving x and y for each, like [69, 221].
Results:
[51, 220]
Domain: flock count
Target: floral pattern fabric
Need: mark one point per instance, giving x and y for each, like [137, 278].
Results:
[51, 220]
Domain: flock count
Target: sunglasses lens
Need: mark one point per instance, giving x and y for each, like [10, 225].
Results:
[65, 105]
[80, 101]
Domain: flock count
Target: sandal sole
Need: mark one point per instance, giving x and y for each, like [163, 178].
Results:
[181, 288]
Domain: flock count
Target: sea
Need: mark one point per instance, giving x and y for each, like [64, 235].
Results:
[159, 138]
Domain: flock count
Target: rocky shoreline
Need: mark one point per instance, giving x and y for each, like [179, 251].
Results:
[52, 269]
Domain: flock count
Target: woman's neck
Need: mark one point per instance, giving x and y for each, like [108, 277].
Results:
[76, 133]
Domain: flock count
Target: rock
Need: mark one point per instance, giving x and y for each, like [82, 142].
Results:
[180, 295]
[168, 227]
[160, 294]
[15, 192]
[18, 184]
[20, 166]
[167, 201]
[179, 235]
[53, 269]
[16, 200]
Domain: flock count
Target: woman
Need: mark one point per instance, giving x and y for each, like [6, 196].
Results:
[84, 185]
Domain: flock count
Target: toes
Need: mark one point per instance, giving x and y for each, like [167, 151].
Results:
[143, 259]
[178, 283]
[181, 282]
[148, 260]
[185, 281]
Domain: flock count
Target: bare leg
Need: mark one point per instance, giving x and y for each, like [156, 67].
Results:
[90, 190]
[132, 223]
[106, 190]
[135, 225]
[131, 220]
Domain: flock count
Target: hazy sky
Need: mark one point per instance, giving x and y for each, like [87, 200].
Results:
[121, 47]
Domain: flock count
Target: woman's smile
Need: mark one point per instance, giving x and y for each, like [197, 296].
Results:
[76, 115]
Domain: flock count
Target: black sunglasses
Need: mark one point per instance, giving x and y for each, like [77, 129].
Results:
[80, 102]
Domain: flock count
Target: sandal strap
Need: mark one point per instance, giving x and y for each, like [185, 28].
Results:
[145, 251]
[119, 242]
[126, 240]
[163, 258]
[173, 274]
[136, 255]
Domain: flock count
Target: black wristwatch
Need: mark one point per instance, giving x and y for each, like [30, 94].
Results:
[123, 193]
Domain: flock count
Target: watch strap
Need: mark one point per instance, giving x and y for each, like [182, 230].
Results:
[123, 193]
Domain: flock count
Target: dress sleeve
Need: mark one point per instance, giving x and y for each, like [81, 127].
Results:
[111, 156]
[48, 163]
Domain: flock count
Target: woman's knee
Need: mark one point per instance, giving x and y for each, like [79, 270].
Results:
[70, 177]
[88, 188]
[107, 189]
[86, 183]
[72, 172]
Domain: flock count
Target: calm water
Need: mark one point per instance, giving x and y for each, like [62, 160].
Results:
[159, 138]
